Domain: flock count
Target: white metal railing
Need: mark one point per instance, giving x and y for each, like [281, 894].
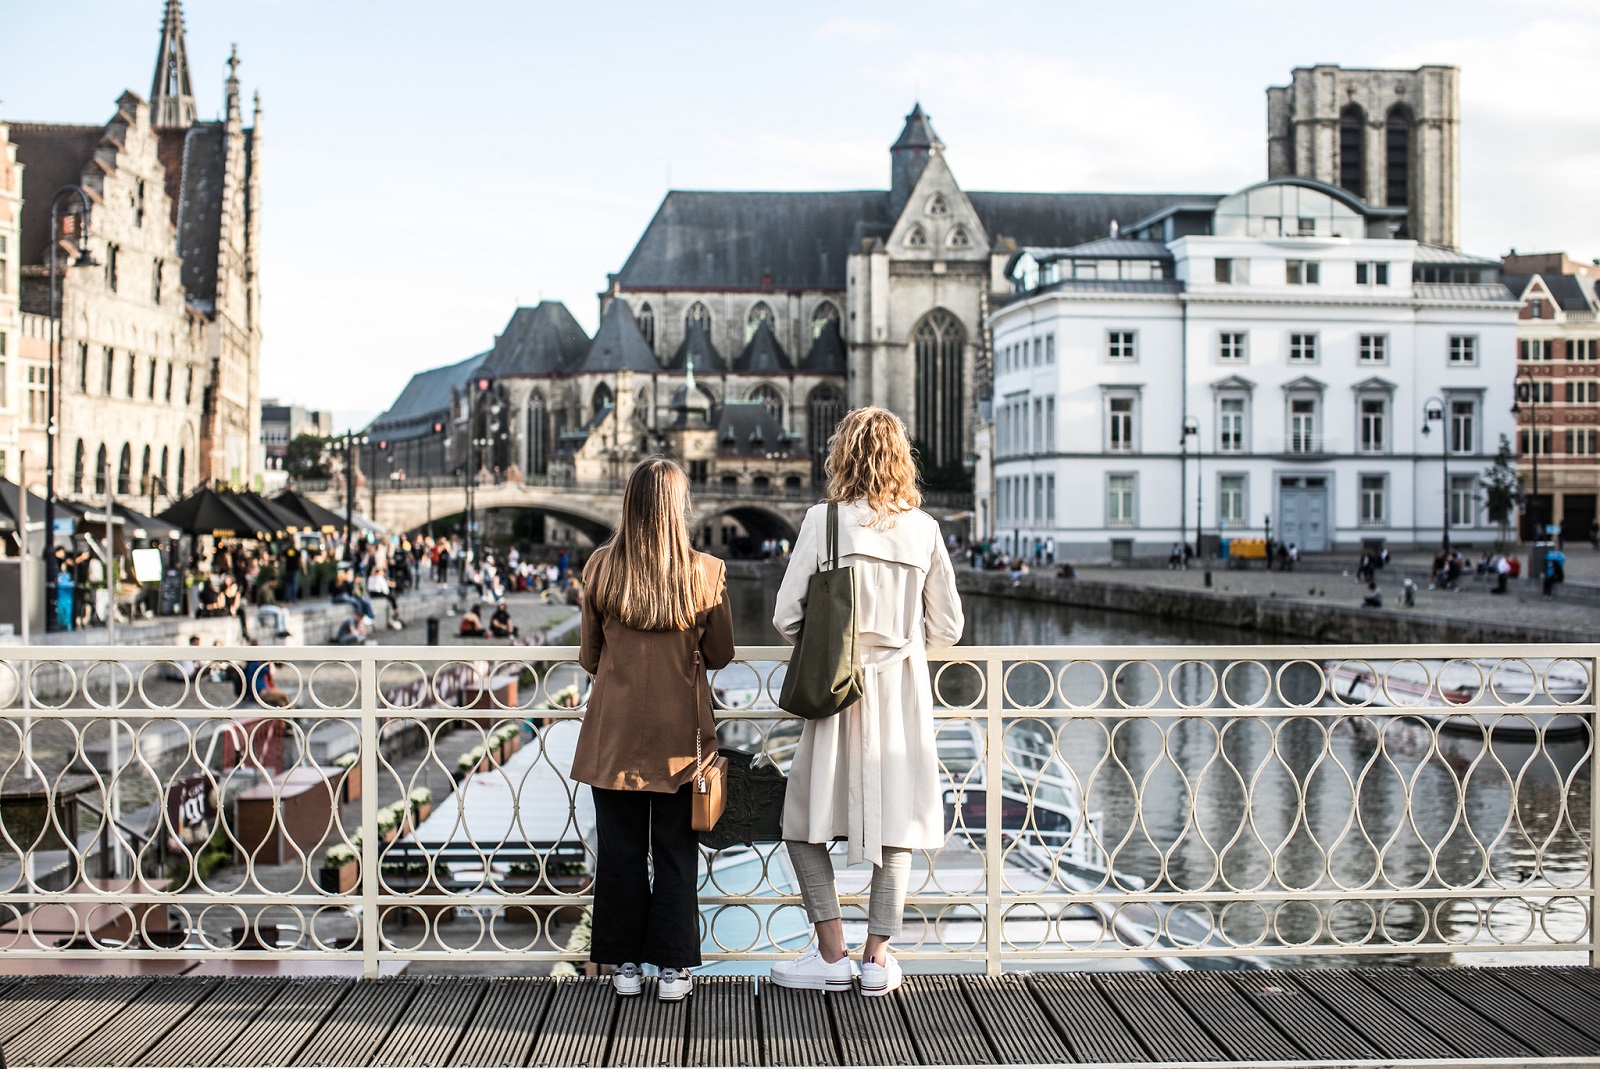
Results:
[1277, 802]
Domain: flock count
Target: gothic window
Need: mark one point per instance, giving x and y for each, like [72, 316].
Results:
[770, 399]
[538, 434]
[824, 409]
[1352, 149]
[940, 411]
[698, 313]
[820, 317]
[144, 472]
[79, 459]
[917, 238]
[958, 238]
[100, 463]
[1397, 156]
[601, 398]
[760, 313]
[133, 373]
[641, 407]
[182, 456]
[647, 324]
[154, 364]
[161, 474]
[937, 205]
[125, 470]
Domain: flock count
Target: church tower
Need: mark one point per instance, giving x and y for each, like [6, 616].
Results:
[909, 154]
[1391, 137]
[171, 96]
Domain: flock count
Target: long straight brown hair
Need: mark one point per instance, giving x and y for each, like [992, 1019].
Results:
[646, 575]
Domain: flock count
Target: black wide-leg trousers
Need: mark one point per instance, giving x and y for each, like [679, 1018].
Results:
[635, 920]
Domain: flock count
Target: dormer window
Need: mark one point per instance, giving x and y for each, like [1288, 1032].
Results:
[917, 238]
[937, 206]
[959, 238]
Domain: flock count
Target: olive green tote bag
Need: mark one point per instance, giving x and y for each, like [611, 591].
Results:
[824, 673]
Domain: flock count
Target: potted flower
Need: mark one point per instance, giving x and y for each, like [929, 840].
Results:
[350, 778]
[341, 869]
[421, 801]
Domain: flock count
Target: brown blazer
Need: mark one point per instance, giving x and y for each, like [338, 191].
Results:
[639, 728]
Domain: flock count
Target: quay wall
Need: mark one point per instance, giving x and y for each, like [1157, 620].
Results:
[1310, 619]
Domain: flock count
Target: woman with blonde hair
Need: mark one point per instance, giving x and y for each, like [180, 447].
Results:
[869, 775]
[655, 617]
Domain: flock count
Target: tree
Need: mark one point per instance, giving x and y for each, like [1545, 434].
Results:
[306, 457]
[1502, 488]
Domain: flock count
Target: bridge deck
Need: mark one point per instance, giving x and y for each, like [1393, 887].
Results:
[1510, 1016]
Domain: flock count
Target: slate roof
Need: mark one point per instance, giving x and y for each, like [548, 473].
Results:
[1568, 292]
[1463, 291]
[728, 240]
[1438, 254]
[618, 345]
[200, 215]
[763, 355]
[697, 342]
[52, 156]
[747, 429]
[827, 354]
[542, 340]
[917, 132]
[425, 397]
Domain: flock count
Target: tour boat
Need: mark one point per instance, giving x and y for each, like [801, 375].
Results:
[1512, 698]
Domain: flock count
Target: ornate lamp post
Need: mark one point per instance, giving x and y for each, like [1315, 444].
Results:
[52, 422]
[351, 440]
[1433, 409]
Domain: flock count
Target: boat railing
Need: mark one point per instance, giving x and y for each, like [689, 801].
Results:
[414, 804]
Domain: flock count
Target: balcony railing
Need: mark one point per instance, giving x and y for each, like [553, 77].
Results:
[1290, 804]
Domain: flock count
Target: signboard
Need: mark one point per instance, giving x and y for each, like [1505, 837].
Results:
[192, 809]
[147, 565]
[171, 600]
[65, 526]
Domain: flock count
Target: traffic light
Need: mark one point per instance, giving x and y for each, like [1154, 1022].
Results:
[438, 426]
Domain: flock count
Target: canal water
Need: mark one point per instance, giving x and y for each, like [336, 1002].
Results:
[1212, 802]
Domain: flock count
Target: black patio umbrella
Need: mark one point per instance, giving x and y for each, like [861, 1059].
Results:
[213, 512]
[10, 493]
[314, 517]
[134, 524]
[272, 521]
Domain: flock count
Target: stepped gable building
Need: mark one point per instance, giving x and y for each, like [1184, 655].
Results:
[1558, 384]
[160, 340]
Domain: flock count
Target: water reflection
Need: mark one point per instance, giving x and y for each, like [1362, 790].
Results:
[1305, 795]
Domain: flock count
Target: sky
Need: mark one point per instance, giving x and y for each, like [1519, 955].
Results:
[428, 167]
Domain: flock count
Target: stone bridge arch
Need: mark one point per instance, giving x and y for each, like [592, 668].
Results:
[752, 524]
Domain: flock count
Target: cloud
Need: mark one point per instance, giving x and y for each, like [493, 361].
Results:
[859, 32]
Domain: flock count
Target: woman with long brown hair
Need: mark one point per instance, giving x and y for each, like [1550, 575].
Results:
[655, 617]
[869, 775]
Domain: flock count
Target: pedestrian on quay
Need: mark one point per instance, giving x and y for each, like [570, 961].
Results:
[870, 774]
[1555, 571]
[654, 618]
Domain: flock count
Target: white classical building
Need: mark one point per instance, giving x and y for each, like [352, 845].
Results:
[1277, 357]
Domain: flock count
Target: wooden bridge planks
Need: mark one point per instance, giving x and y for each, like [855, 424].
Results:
[428, 1032]
[1515, 1013]
[214, 1023]
[140, 1024]
[358, 1025]
[1385, 1023]
[797, 1026]
[650, 1032]
[943, 1028]
[1468, 1032]
[1160, 1022]
[1314, 1028]
[1556, 990]
[508, 1019]
[1083, 1017]
[81, 1005]
[1229, 1017]
[871, 1031]
[1018, 1031]
[577, 1025]
[286, 1023]
[722, 1022]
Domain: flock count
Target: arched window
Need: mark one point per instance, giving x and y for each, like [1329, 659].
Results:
[824, 409]
[697, 313]
[771, 399]
[937, 205]
[642, 407]
[647, 324]
[538, 434]
[182, 455]
[80, 457]
[125, 470]
[958, 238]
[820, 316]
[601, 398]
[133, 373]
[940, 413]
[162, 473]
[760, 313]
[101, 460]
[917, 238]
[1397, 156]
[1352, 149]
[144, 472]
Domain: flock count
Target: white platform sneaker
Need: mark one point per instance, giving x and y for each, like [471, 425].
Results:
[626, 979]
[881, 979]
[809, 972]
[674, 985]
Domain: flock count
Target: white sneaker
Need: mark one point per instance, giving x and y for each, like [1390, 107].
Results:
[674, 985]
[881, 979]
[810, 973]
[625, 979]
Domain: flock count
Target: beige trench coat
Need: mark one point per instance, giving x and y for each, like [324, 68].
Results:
[870, 775]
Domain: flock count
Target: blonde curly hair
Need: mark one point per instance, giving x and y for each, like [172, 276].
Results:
[870, 460]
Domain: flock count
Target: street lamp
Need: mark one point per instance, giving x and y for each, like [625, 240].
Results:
[1191, 426]
[1433, 409]
[52, 424]
[1528, 390]
[351, 440]
[477, 442]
